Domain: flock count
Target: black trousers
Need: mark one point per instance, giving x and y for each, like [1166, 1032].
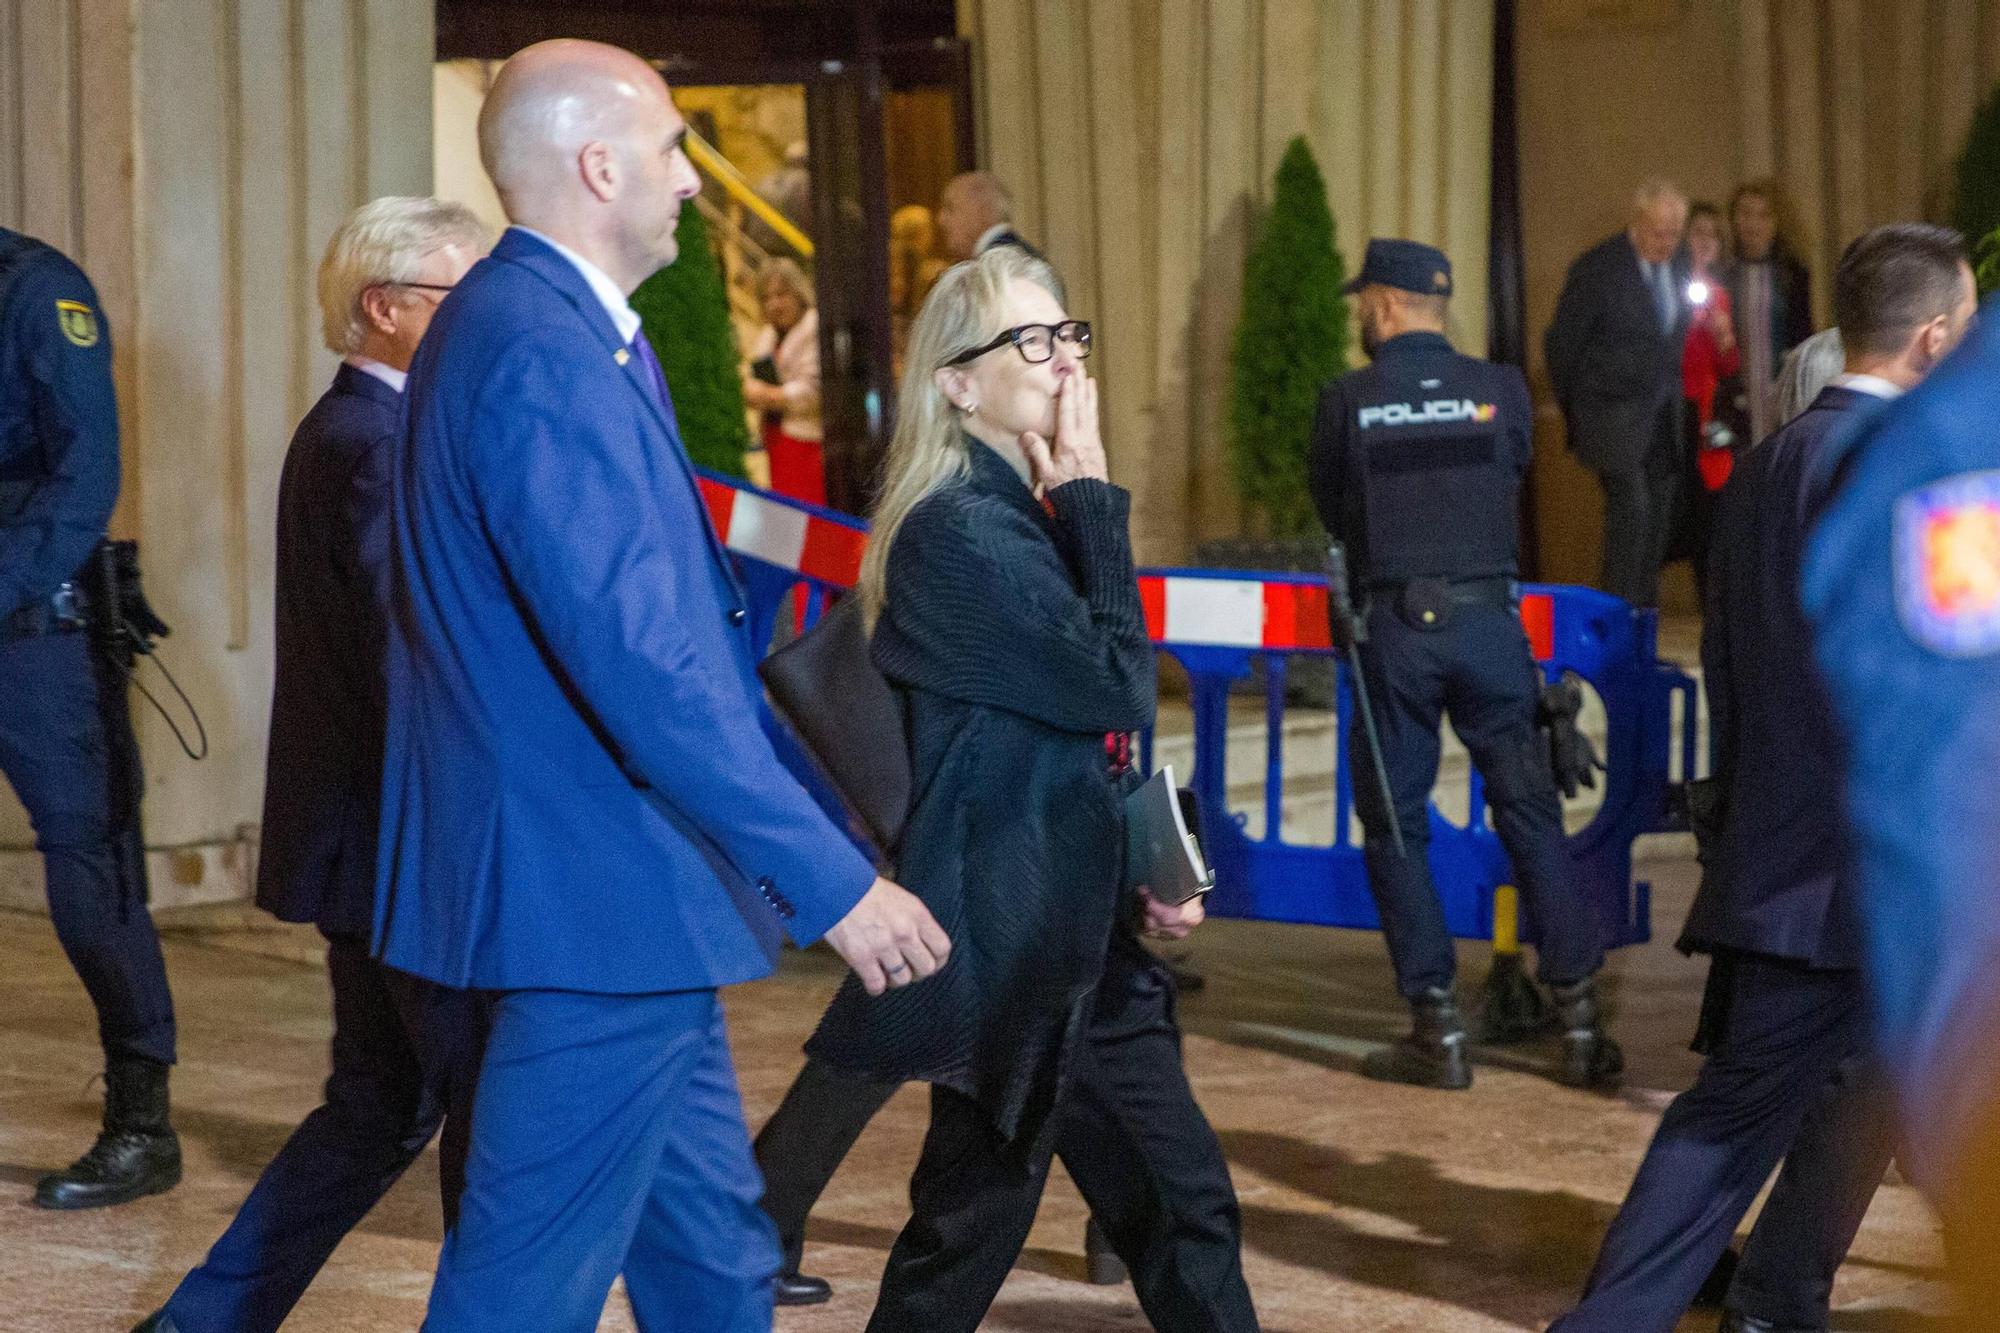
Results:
[66, 746]
[406, 1056]
[1130, 1134]
[806, 1139]
[1639, 514]
[1789, 1077]
[1478, 668]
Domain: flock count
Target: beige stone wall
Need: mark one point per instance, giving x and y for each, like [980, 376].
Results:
[195, 158]
[1856, 107]
[1141, 135]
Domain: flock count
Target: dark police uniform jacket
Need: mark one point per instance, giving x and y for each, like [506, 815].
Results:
[1417, 461]
[58, 421]
[323, 774]
[1780, 884]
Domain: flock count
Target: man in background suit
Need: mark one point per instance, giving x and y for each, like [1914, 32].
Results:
[1614, 354]
[405, 1052]
[1789, 1075]
[976, 213]
[1770, 298]
[580, 812]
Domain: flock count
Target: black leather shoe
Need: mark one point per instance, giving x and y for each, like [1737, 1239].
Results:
[795, 1288]
[136, 1155]
[157, 1322]
[1433, 1054]
[1101, 1263]
[1590, 1059]
[1734, 1321]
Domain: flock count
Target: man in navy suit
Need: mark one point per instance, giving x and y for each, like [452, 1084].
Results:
[1789, 1074]
[580, 812]
[405, 1051]
[1614, 354]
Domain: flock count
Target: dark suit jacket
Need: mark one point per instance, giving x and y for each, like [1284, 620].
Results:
[1019, 640]
[576, 791]
[1013, 238]
[1616, 371]
[1791, 303]
[1780, 884]
[323, 773]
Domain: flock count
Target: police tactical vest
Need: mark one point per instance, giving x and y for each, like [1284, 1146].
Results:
[1441, 487]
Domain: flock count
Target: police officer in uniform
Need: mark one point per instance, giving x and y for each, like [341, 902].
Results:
[1416, 464]
[65, 738]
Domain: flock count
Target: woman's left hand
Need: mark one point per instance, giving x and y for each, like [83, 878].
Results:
[1167, 922]
[1078, 450]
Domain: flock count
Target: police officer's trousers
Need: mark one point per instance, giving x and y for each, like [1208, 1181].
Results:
[1477, 668]
[66, 747]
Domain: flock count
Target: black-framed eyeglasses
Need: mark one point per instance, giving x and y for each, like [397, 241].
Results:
[1035, 342]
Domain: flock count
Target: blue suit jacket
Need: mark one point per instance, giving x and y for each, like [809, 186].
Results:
[576, 793]
[323, 774]
[1782, 884]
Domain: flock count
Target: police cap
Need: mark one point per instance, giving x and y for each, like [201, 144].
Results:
[1409, 266]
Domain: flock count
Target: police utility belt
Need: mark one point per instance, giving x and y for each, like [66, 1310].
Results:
[1430, 603]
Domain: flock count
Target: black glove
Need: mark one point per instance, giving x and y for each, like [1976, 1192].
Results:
[1572, 758]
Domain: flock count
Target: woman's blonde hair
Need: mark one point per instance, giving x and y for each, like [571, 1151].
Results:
[788, 274]
[928, 449]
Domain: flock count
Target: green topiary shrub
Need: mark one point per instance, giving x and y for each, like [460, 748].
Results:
[1290, 339]
[1986, 263]
[684, 310]
[1976, 201]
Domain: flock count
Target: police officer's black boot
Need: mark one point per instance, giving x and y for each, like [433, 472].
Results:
[1433, 1055]
[136, 1155]
[1590, 1059]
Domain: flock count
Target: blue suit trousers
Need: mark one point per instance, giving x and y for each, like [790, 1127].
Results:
[405, 1058]
[607, 1138]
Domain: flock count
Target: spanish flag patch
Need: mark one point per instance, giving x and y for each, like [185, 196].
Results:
[1947, 564]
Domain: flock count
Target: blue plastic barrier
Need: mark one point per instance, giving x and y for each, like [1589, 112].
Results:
[1599, 637]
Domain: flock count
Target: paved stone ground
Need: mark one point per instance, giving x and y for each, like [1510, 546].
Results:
[1365, 1206]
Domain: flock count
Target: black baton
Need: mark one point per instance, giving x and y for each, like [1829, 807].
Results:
[1347, 635]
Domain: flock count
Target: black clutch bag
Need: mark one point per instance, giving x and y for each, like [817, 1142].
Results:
[851, 720]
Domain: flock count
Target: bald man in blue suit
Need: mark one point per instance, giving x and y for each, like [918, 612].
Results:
[580, 813]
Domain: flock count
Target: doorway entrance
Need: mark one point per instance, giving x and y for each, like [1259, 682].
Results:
[833, 129]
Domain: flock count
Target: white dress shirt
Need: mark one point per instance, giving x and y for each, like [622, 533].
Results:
[389, 375]
[1872, 385]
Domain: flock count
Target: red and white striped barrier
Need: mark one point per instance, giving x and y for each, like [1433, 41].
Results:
[1182, 610]
[767, 528]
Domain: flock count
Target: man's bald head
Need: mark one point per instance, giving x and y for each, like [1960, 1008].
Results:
[584, 145]
[549, 101]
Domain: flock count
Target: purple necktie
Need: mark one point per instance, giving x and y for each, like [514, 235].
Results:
[642, 348]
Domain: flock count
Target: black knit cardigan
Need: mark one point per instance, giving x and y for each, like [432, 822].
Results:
[1019, 637]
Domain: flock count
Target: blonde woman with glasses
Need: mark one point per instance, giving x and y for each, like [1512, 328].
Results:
[1000, 590]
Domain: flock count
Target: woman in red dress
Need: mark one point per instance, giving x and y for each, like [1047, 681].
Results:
[1709, 361]
[782, 381]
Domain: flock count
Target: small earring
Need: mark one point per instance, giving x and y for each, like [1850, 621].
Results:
[969, 408]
